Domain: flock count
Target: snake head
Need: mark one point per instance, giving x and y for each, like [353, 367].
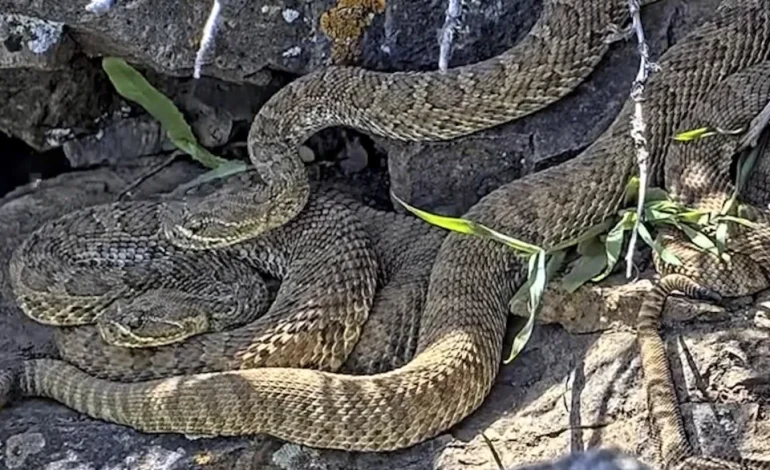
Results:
[150, 320]
[227, 217]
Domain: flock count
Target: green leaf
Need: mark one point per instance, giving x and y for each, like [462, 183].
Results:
[700, 239]
[737, 220]
[590, 264]
[468, 227]
[522, 337]
[539, 274]
[664, 254]
[632, 190]
[694, 134]
[664, 205]
[655, 216]
[537, 286]
[230, 167]
[721, 237]
[695, 217]
[130, 84]
[614, 243]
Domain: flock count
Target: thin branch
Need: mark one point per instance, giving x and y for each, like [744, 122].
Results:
[638, 127]
[207, 40]
[451, 23]
[127, 191]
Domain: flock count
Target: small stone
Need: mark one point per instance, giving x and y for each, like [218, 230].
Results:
[31, 42]
[20, 446]
[292, 52]
[290, 15]
[762, 319]
[306, 154]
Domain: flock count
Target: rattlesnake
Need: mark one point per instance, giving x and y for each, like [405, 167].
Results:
[461, 328]
[560, 51]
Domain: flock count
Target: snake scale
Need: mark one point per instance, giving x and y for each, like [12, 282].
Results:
[459, 340]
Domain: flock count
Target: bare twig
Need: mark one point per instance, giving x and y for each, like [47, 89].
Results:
[127, 191]
[207, 39]
[638, 127]
[451, 22]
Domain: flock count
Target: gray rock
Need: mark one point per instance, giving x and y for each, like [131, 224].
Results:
[122, 139]
[290, 36]
[34, 43]
[43, 108]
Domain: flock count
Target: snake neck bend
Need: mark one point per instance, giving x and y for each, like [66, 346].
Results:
[561, 50]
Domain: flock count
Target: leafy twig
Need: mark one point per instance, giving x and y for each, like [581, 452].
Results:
[207, 39]
[638, 127]
[452, 22]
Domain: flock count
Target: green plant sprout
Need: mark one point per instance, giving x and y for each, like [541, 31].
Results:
[132, 85]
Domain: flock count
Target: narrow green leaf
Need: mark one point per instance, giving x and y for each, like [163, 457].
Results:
[522, 337]
[694, 217]
[590, 264]
[514, 243]
[537, 287]
[655, 216]
[613, 244]
[130, 84]
[664, 254]
[737, 220]
[536, 270]
[700, 239]
[449, 223]
[468, 227]
[694, 134]
[632, 190]
[231, 167]
[721, 236]
[664, 205]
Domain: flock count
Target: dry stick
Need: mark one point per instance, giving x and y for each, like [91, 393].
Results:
[638, 127]
[451, 22]
[149, 174]
[207, 39]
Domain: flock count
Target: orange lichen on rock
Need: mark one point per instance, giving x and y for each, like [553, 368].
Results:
[345, 25]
